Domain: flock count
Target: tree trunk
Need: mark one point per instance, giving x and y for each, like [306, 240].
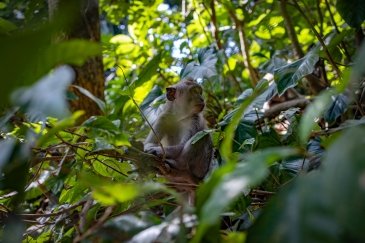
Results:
[90, 76]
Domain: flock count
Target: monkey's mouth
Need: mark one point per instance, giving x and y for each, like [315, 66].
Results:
[200, 107]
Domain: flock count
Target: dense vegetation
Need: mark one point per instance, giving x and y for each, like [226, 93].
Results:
[285, 93]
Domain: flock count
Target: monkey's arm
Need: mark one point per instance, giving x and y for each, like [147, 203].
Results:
[155, 136]
[195, 158]
[171, 152]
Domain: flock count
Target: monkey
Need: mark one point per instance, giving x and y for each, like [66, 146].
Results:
[180, 119]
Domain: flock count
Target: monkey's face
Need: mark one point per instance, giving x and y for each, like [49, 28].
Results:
[195, 99]
[186, 97]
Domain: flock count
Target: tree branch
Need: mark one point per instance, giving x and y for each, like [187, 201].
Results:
[245, 50]
[276, 109]
[298, 52]
[320, 39]
[215, 25]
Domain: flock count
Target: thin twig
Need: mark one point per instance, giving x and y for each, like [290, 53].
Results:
[10, 194]
[63, 211]
[83, 214]
[62, 161]
[254, 78]
[201, 23]
[90, 151]
[215, 28]
[95, 226]
[298, 52]
[320, 39]
[337, 30]
[143, 115]
[276, 109]
[256, 191]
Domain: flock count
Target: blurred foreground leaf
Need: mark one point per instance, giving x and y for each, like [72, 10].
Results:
[47, 97]
[324, 206]
[227, 183]
[352, 11]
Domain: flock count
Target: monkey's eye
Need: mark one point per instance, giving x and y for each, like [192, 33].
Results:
[197, 90]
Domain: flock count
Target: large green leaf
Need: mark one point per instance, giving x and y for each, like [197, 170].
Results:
[75, 52]
[229, 185]
[47, 97]
[227, 144]
[352, 11]
[105, 132]
[289, 75]
[314, 111]
[338, 107]
[31, 51]
[344, 166]
[298, 215]
[6, 26]
[148, 70]
[325, 206]
[241, 120]
[358, 70]
[16, 71]
[204, 68]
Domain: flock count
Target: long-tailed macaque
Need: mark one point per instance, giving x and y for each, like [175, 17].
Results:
[180, 119]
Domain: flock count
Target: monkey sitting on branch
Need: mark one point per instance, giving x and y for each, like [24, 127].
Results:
[171, 137]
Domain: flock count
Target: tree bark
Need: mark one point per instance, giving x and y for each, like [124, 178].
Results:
[90, 76]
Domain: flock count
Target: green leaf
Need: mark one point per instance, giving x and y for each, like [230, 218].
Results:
[229, 132]
[46, 97]
[151, 98]
[289, 75]
[99, 102]
[109, 193]
[105, 132]
[249, 172]
[121, 227]
[352, 11]
[111, 168]
[57, 127]
[115, 193]
[297, 214]
[73, 194]
[344, 168]
[38, 56]
[241, 120]
[13, 46]
[358, 71]
[204, 68]
[6, 26]
[74, 52]
[323, 206]
[313, 112]
[200, 135]
[148, 71]
[338, 107]
[100, 122]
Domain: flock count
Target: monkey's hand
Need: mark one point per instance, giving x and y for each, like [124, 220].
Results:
[155, 151]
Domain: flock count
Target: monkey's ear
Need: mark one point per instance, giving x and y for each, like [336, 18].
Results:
[170, 93]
